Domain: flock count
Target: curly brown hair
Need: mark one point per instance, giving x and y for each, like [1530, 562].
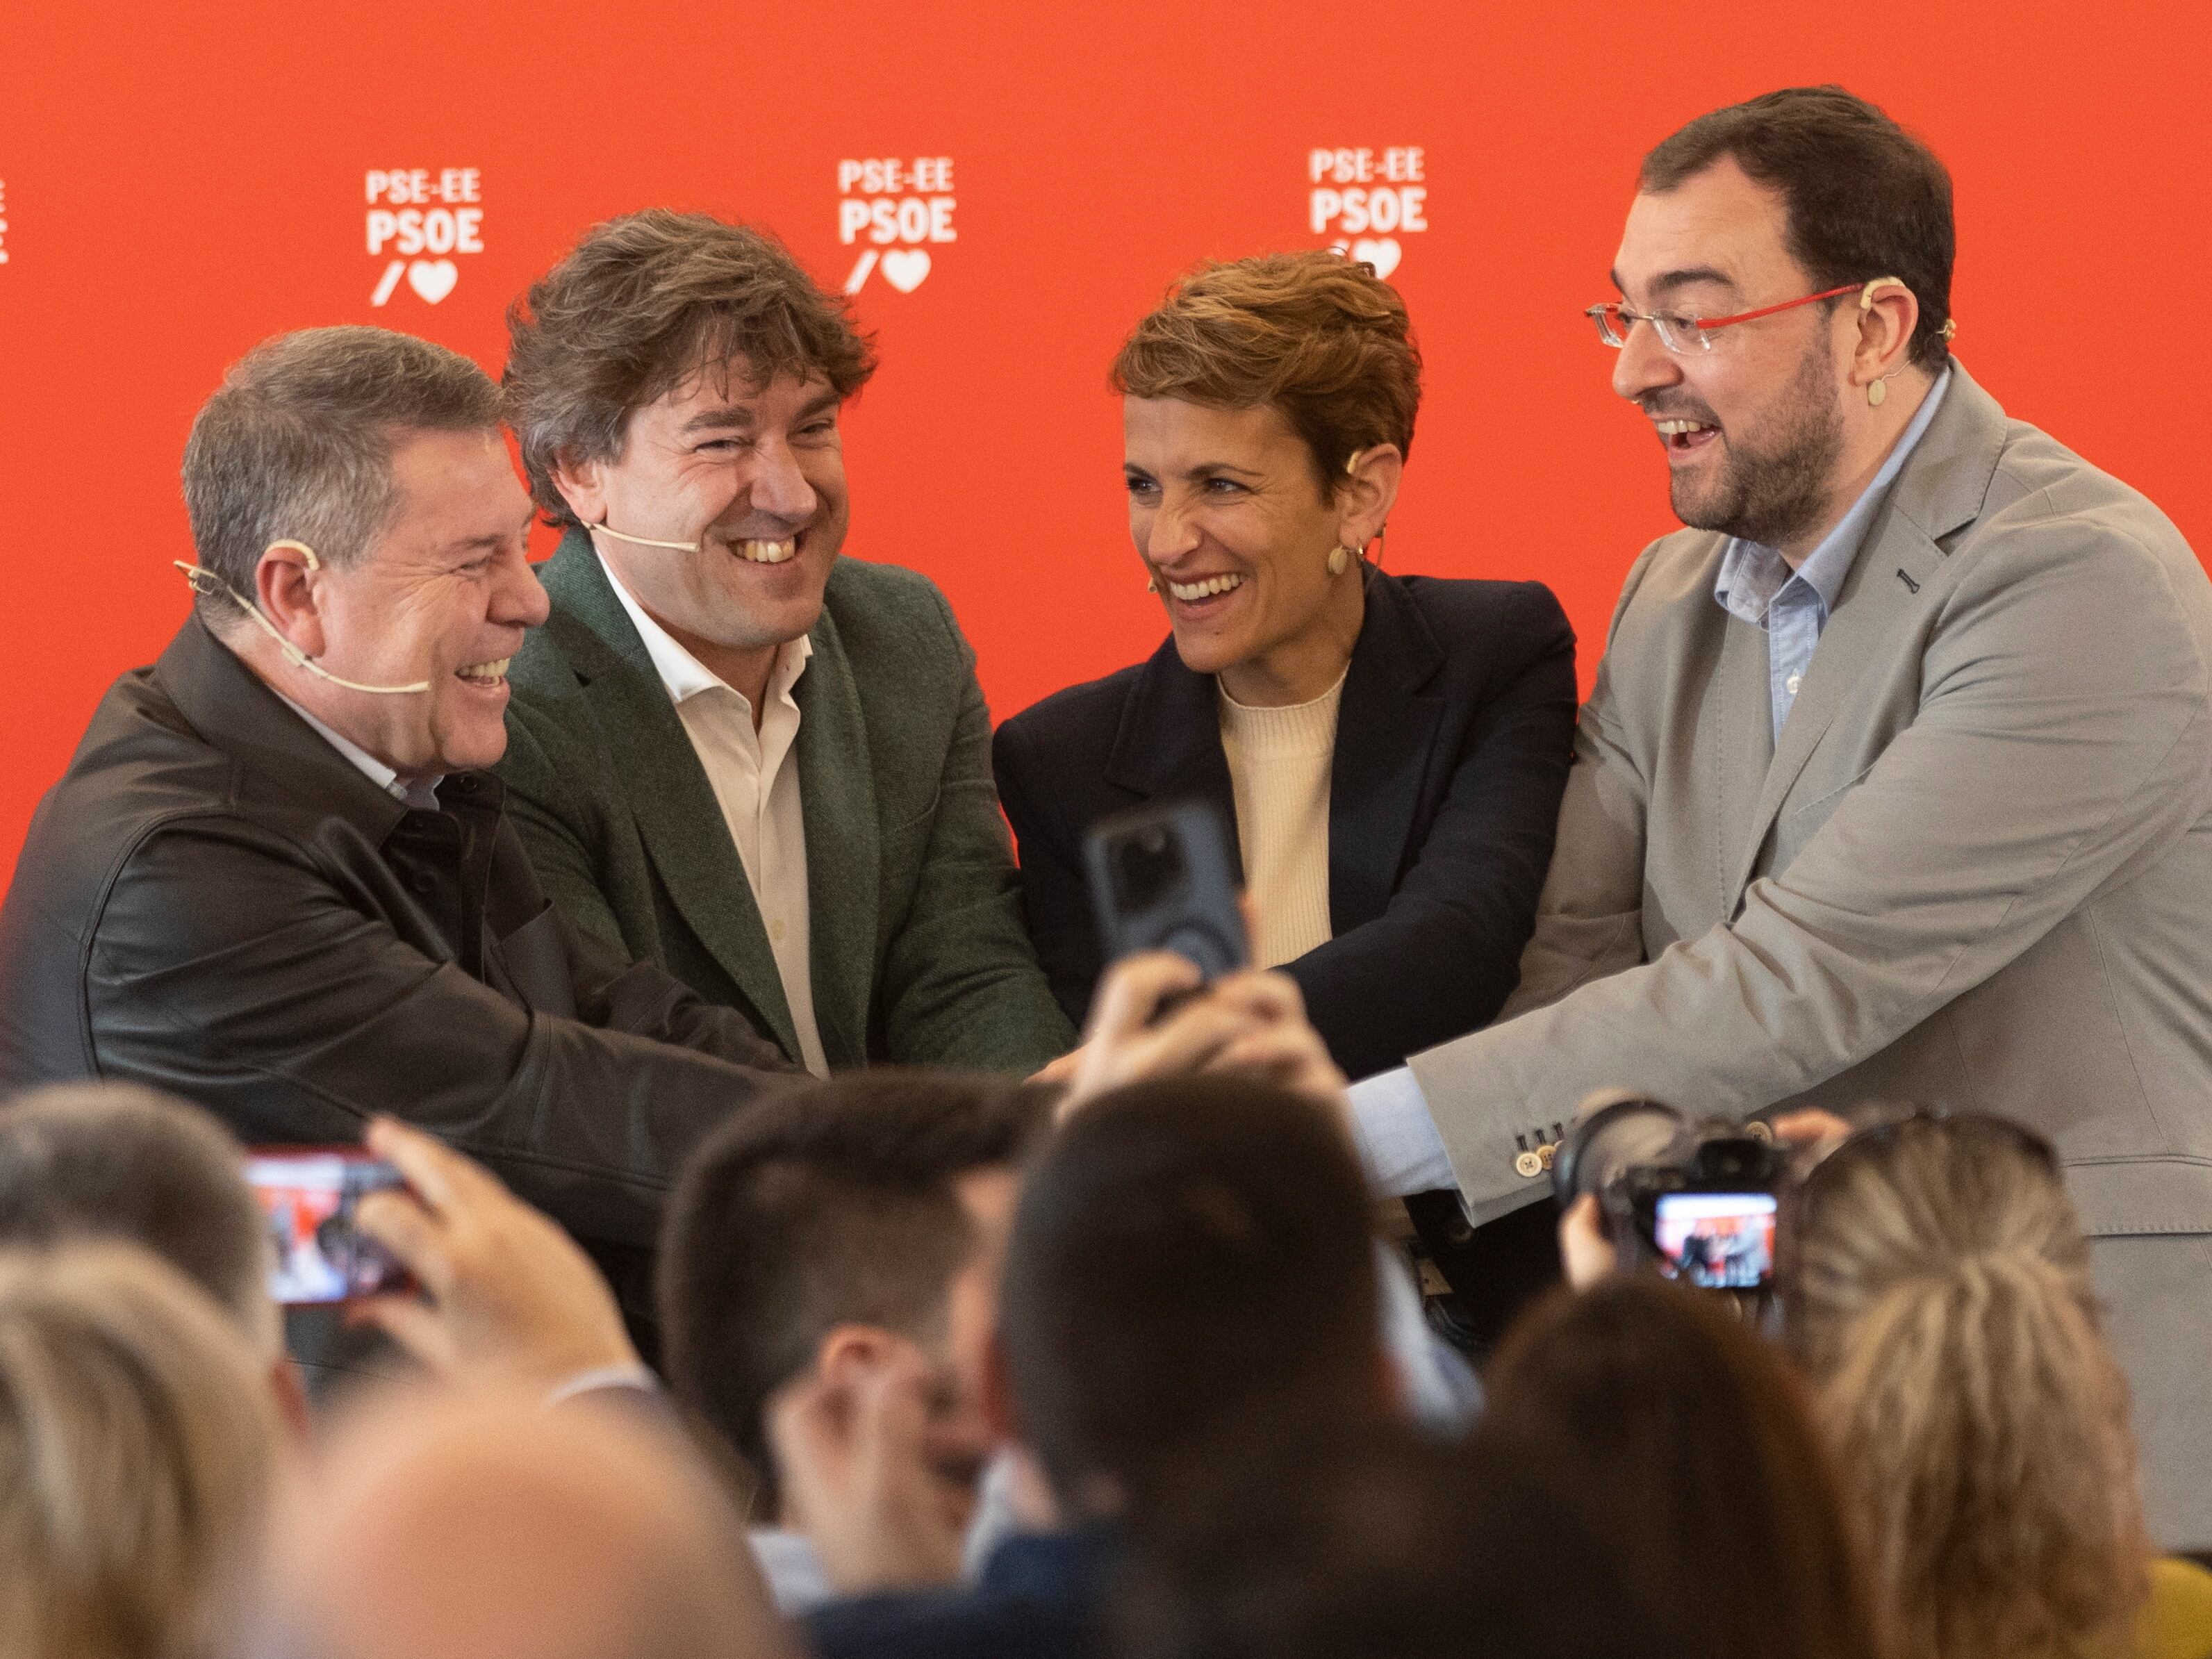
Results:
[642, 304]
[1315, 335]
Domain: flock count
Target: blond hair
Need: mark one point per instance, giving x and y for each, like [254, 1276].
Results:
[137, 1441]
[1315, 335]
[1940, 1297]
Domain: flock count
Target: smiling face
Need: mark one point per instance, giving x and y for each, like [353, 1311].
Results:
[756, 475]
[1752, 429]
[1230, 521]
[445, 594]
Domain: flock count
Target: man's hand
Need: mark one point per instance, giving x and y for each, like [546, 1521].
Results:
[851, 1446]
[1280, 1045]
[510, 1293]
[1121, 1044]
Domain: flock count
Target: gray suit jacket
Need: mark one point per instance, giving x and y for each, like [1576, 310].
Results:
[1976, 871]
[919, 952]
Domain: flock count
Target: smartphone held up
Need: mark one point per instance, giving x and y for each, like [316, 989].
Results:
[310, 1197]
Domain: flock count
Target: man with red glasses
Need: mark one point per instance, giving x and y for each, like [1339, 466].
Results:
[1897, 778]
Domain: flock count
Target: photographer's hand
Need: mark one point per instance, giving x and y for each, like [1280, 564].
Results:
[1586, 1254]
[1281, 1045]
[509, 1291]
[1122, 1045]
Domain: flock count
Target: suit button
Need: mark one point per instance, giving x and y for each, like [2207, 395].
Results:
[1529, 1166]
[1548, 1151]
[424, 882]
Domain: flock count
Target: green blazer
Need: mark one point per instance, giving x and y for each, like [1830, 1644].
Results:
[919, 952]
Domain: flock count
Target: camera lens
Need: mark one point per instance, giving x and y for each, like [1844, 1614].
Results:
[1609, 1141]
[1147, 867]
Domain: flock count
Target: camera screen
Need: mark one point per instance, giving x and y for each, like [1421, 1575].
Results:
[1722, 1241]
[307, 1204]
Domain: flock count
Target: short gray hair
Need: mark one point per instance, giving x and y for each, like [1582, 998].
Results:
[297, 443]
[120, 1161]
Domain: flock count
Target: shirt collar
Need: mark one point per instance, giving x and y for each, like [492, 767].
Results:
[683, 675]
[369, 766]
[1753, 573]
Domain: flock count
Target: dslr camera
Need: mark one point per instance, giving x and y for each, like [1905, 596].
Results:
[1697, 1197]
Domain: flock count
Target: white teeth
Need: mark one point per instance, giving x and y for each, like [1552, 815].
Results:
[1188, 591]
[1676, 429]
[767, 552]
[487, 671]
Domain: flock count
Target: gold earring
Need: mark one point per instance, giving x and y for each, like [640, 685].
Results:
[1876, 391]
[1153, 586]
[1340, 560]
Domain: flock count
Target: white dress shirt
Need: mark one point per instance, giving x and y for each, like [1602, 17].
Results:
[755, 778]
[422, 794]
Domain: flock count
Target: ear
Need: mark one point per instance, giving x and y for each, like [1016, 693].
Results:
[582, 485]
[849, 1352]
[1886, 315]
[1363, 501]
[284, 588]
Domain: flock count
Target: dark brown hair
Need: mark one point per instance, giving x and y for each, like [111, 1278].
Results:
[833, 1205]
[644, 303]
[1314, 334]
[1865, 197]
[1682, 1443]
[1187, 1254]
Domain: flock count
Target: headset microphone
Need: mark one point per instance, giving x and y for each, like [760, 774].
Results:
[205, 581]
[646, 541]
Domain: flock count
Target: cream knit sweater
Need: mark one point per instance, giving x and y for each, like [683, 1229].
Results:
[1279, 766]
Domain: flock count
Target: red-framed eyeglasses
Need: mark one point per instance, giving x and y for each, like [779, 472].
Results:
[1680, 333]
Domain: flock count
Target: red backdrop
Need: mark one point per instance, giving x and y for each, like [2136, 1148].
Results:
[174, 189]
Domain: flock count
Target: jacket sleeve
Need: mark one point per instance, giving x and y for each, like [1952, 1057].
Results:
[2060, 744]
[226, 968]
[960, 984]
[1443, 955]
[1055, 892]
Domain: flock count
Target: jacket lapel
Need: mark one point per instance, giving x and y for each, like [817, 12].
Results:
[1384, 730]
[843, 846]
[664, 786]
[1169, 746]
[1942, 488]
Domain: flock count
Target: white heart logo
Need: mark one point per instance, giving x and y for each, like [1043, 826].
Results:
[905, 267]
[1383, 252]
[433, 279]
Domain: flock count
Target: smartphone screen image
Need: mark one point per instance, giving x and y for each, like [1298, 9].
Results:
[1722, 1241]
[308, 1198]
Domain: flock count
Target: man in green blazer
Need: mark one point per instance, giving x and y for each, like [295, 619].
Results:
[733, 751]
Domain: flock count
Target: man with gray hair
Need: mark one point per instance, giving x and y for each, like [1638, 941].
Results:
[275, 879]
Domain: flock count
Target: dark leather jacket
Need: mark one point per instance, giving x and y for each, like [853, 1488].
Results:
[214, 901]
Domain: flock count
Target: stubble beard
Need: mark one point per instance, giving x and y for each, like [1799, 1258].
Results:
[1772, 493]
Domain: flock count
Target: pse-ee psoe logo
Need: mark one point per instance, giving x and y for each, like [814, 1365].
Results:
[1366, 199]
[419, 219]
[897, 207]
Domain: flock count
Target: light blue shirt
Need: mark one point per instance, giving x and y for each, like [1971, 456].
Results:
[1397, 1135]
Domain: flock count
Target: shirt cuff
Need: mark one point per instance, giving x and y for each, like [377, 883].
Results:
[604, 1376]
[1398, 1139]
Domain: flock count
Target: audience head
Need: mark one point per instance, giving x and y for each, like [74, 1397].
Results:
[1268, 408]
[1789, 196]
[117, 1160]
[137, 1444]
[1681, 1445]
[678, 380]
[817, 1229]
[1937, 1287]
[352, 484]
[486, 1526]
[1187, 1256]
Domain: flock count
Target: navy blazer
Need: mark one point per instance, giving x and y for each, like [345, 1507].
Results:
[1453, 741]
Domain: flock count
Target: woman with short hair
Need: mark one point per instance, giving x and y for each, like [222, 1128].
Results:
[138, 1443]
[1389, 750]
